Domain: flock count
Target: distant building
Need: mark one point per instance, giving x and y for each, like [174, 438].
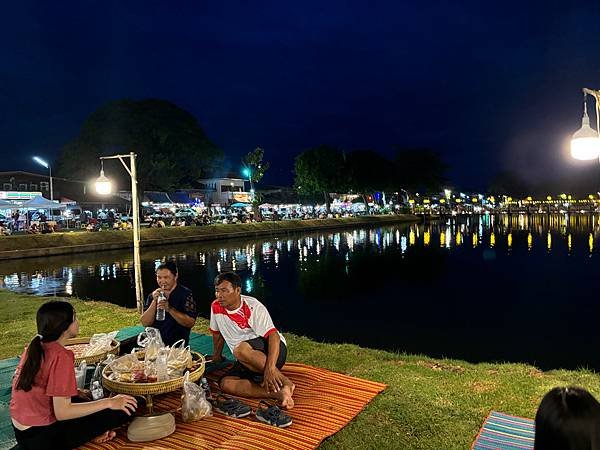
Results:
[225, 190]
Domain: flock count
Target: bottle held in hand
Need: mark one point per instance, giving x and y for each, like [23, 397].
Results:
[160, 312]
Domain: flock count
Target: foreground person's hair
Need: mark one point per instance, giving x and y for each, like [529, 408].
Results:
[568, 419]
[52, 319]
[232, 277]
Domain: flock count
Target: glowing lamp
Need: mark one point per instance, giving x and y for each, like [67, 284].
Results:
[585, 143]
[103, 184]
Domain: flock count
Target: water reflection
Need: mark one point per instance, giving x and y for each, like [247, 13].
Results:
[419, 280]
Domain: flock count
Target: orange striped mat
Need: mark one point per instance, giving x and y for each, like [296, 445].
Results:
[324, 403]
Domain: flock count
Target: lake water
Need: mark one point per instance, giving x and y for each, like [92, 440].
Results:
[500, 288]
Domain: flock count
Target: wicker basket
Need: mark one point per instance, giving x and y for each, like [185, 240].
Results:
[159, 387]
[98, 357]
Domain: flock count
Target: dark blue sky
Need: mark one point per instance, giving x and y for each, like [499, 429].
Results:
[489, 87]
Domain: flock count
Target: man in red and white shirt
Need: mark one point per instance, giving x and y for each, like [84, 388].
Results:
[246, 326]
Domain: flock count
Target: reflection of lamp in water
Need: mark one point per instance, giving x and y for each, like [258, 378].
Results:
[426, 238]
[591, 242]
[492, 240]
[474, 240]
[549, 239]
[411, 238]
[569, 242]
[442, 239]
[529, 241]
[458, 238]
[509, 240]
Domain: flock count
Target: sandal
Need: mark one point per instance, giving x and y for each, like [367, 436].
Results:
[272, 415]
[231, 407]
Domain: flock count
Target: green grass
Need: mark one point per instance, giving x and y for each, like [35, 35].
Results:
[154, 236]
[429, 403]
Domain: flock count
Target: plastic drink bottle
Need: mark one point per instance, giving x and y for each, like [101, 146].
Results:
[160, 312]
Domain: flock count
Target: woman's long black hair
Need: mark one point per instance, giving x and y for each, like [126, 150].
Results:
[52, 319]
[568, 419]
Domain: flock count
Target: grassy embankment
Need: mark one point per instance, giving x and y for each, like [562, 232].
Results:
[157, 236]
[429, 404]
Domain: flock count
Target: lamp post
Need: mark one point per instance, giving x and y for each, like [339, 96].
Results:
[585, 143]
[248, 173]
[43, 163]
[104, 187]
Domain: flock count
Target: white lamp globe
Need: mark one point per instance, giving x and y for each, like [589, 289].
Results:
[585, 143]
[103, 184]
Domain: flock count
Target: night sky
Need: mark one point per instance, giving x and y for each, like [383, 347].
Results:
[488, 87]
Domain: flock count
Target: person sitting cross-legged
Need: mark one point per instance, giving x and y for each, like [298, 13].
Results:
[245, 325]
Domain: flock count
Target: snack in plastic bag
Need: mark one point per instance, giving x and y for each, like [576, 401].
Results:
[194, 405]
[99, 343]
[152, 341]
[179, 359]
[127, 368]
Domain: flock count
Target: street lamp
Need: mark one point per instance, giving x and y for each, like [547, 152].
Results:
[585, 144]
[104, 187]
[248, 174]
[41, 162]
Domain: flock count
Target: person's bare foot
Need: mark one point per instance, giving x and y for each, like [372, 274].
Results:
[105, 437]
[285, 397]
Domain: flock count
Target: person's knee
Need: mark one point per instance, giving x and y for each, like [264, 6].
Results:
[241, 351]
[226, 384]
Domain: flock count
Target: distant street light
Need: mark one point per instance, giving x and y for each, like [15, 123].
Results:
[585, 143]
[41, 162]
[248, 174]
[104, 187]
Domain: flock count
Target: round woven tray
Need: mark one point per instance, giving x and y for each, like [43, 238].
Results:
[160, 387]
[93, 359]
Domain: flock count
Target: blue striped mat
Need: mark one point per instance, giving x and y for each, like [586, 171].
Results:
[503, 432]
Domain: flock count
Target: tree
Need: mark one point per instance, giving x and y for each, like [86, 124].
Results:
[320, 171]
[172, 148]
[254, 169]
[368, 172]
[420, 170]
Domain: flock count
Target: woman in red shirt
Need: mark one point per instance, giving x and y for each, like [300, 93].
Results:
[42, 413]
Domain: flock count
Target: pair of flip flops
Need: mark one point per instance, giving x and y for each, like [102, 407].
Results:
[265, 412]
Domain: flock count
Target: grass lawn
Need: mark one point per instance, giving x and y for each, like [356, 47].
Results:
[429, 403]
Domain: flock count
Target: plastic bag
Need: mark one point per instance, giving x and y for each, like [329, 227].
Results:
[194, 405]
[80, 372]
[128, 368]
[152, 341]
[100, 343]
[179, 359]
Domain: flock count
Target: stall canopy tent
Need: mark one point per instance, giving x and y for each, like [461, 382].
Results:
[180, 197]
[40, 202]
[6, 205]
[240, 205]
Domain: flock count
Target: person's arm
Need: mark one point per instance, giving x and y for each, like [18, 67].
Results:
[273, 380]
[186, 318]
[181, 318]
[218, 344]
[148, 316]
[65, 410]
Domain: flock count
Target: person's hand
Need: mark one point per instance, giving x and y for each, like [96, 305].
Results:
[123, 402]
[85, 395]
[214, 358]
[272, 379]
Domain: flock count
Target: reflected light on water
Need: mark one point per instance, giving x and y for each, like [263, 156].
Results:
[578, 233]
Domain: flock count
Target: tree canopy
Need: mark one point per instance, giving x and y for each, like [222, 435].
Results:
[420, 170]
[172, 148]
[320, 170]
